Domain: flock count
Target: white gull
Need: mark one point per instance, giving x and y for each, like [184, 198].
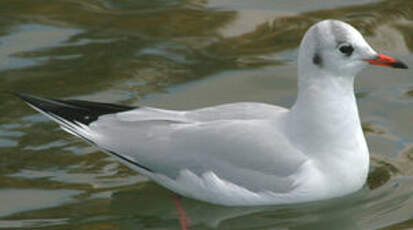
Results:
[245, 154]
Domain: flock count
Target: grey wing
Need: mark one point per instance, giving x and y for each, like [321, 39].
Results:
[239, 151]
[238, 111]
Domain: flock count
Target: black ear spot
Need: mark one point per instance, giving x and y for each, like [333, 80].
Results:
[317, 60]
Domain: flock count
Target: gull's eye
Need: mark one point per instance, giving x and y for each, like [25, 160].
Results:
[346, 49]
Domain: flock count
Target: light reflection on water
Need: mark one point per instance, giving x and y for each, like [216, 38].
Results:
[15, 200]
[16, 46]
[181, 55]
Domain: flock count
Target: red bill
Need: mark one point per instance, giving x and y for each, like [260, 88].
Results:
[388, 61]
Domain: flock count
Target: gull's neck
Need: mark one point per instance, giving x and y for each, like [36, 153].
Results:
[325, 93]
[325, 115]
[324, 125]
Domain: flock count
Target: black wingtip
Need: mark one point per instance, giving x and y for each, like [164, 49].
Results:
[77, 111]
[72, 110]
[25, 97]
[31, 99]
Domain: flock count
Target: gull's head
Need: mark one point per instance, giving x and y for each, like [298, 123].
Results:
[336, 48]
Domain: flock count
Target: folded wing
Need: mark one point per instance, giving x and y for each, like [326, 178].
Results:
[232, 141]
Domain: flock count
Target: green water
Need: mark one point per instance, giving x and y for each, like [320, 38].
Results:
[185, 54]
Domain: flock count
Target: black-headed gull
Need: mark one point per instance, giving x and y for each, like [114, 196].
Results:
[246, 153]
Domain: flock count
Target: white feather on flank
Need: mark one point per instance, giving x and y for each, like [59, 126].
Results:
[211, 188]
